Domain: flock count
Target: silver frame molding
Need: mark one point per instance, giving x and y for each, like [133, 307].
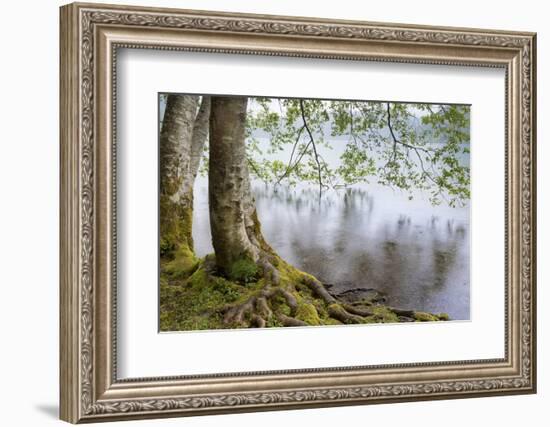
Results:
[90, 36]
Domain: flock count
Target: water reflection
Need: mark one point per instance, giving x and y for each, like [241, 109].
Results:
[366, 236]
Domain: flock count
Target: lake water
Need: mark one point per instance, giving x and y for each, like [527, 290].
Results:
[365, 236]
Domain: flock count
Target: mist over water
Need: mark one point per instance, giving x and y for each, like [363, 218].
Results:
[364, 236]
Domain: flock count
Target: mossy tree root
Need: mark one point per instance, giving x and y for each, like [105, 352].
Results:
[194, 295]
[279, 301]
[345, 313]
[257, 311]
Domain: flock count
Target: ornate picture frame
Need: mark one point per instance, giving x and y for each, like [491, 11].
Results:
[90, 37]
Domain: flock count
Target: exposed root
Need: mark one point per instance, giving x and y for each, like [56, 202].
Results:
[258, 321]
[403, 313]
[270, 272]
[318, 289]
[236, 314]
[278, 303]
[290, 321]
[338, 312]
[359, 311]
[345, 313]
[262, 308]
[289, 298]
[257, 308]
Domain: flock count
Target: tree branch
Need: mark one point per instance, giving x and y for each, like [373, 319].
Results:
[404, 144]
[289, 168]
[313, 144]
[255, 169]
[395, 141]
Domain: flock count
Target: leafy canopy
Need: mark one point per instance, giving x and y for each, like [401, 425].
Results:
[407, 146]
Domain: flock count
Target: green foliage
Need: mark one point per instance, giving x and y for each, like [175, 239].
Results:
[406, 146]
[243, 270]
[357, 165]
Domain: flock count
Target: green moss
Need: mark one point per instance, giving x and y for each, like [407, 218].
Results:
[199, 279]
[336, 308]
[259, 235]
[193, 298]
[421, 316]
[308, 313]
[182, 265]
[195, 303]
[175, 227]
[443, 316]
[279, 305]
[167, 246]
[243, 270]
[321, 308]
[383, 314]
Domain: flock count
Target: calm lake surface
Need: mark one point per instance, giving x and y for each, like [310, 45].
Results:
[365, 236]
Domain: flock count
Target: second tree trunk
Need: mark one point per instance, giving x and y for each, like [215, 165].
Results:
[232, 210]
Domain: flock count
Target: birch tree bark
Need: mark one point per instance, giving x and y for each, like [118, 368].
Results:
[198, 141]
[183, 135]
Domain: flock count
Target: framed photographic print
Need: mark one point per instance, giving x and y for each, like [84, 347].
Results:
[267, 212]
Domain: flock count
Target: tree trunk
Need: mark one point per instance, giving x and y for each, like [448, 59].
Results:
[200, 134]
[198, 141]
[230, 198]
[183, 133]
